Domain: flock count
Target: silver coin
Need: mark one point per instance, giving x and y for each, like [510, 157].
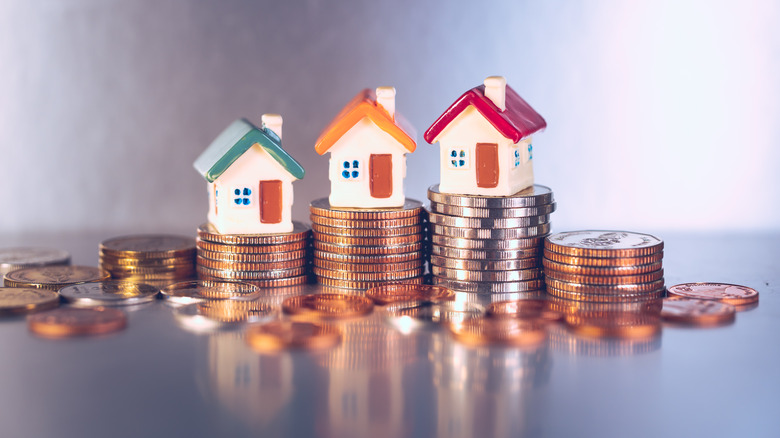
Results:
[199, 291]
[529, 197]
[496, 213]
[476, 222]
[457, 242]
[29, 257]
[607, 240]
[490, 288]
[272, 274]
[479, 254]
[489, 265]
[372, 258]
[415, 316]
[199, 317]
[109, 293]
[324, 204]
[490, 233]
[487, 276]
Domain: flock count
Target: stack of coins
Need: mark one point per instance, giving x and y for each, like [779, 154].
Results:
[264, 260]
[604, 266]
[18, 258]
[489, 245]
[156, 259]
[363, 248]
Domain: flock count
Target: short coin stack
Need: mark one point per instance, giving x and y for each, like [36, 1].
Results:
[156, 259]
[264, 260]
[363, 248]
[489, 245]
[604, 266]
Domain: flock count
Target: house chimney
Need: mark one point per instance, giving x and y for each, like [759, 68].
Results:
[273, 122]
[385, 97]
[495, 90]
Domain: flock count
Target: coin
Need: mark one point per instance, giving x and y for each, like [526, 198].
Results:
[271, 283]
[487, 276]
[723, 292]
[330, 306]
[603, 244]
[26, 257]
[251, 275]
[367, 250]
[130, 263]
[368, 267]
[368, 232]
[54, 277]
[209, 233]
[272, 257]
[497, 213]
[605, 289]
[488, 288]
[700, 313]
[350, 284]
[321, 207]
[188, 292]
[491, 223]
[529, 197]
[492, 233]
[239, 266]
[605, 280]
[393, 293]
[368, 276]
[108, 293]
[279, 335]
[186, 269]
[605, 271]
[223, 314]
[251, 249]
[606, 298]
[18, 300]
[485, 265]
[486, 244]
[477, 254]
[525, 309]
[603, 261]
[148, 246]
[500, 331]
[76, 321]
[371, 258]
[366, 223]
[369, 241]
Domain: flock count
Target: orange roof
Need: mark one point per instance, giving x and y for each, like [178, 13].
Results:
[364, 105]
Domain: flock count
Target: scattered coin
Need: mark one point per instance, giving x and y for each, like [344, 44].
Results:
[19, 301]
[395, 292]
[76, 321]
[329, 306]
[189, 292]
[223, 314]
[700, 313]
[723, 292]
[54, 277]
[109, 293]
[591, 243]
[280, 335]
[500, 331]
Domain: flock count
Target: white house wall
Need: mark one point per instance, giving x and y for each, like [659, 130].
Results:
[362, 140]
[253, 166]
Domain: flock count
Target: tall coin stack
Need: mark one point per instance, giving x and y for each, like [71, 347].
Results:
[363, 248]
[264, 260]
[155, 259]
[604, 266]
[489, 245]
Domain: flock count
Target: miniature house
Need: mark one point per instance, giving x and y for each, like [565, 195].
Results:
[485, 141]
[367, 142]
[250, 178]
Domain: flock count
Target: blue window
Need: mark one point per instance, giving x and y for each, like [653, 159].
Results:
[517, 157]
[242, 196]
[530, 151]
[350, 169]
[459, 159]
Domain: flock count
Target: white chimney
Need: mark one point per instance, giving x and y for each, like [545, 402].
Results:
[385, 97]
[495, 90]
[273, 122]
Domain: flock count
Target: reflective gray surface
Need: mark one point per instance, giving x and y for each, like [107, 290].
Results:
[156, 379]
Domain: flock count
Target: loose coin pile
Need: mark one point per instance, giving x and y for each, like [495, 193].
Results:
[363, 248]
[742, 297]
[28, 257]
[156, 259]
[489, 245]
[54, 278]
[264, 260]
[604, 266]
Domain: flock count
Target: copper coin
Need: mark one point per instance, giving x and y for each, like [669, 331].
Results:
[354, 284]
[603, 261]
[617, 289]
[368, 267]
[617, 325]
[366, 223]
[76, 321]
[612, 280]
[368, 232]
[131, 263]
[54, 277]
[608, 298]
[270, 283]
[700, 313]
[391, 275]
[393, 293]
[198, 291]
[369, 241]
[148, 246]
[369, 258]
[367, 250]
[209, 233]
[725, 293]
[603, 244]
[321, 207]
[247, 266]
[330, 306]
[252, 275]
[601, 271]
[500, 331]
[525, 309]
[18, 301]
[233, 257]
[280, 335]
[251, 249]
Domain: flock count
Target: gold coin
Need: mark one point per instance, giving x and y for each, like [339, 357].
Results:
[251, 275]
[330, 306]
[395, 293]
[350, 284]
[603, 244]
[54, 277]
[366, 223]
[725, 293]
[321, 207]
[145, 278]
[129, 263]
[197, 291]
[368, 267]
[369, 241]
[500, 331]
[141, 270]
[368, 259]
[608, 298]
[368, 232]
[76, 321]
[272, 257]
[699, 313]
[605, 271]
[594, 261]
[525, 309]
[148, 246]
[635, 288]
[605, 280]
[270, 283]
[368, 276]
[251, 249]
[367, 250]
[208, 233]
[238, 266]
[18, 301]
[280, 335]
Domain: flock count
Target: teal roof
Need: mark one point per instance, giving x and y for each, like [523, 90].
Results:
[237, 139]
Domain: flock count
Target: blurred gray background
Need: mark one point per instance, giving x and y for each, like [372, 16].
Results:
[662, 115]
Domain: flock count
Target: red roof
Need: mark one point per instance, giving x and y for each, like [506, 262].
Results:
[518, 121]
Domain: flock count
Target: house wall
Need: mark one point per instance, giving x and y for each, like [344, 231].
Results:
[362, 140]
[254, 166]
[463, 133]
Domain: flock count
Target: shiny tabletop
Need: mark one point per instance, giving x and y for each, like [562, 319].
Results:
[156, 378]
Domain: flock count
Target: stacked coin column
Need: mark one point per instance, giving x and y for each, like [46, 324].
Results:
[264, 260]
[363, 248]
[489, 245]
[156, 259]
